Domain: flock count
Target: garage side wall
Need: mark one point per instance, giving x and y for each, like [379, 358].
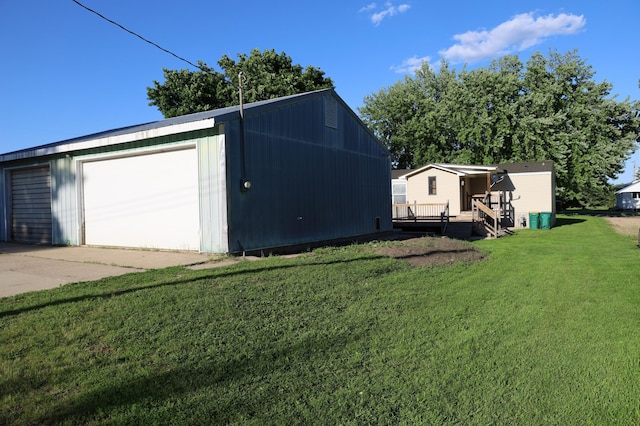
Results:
[67, 188]
[209, 218]
[317, 174]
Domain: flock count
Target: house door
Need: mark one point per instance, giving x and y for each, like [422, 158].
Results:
[465, 194]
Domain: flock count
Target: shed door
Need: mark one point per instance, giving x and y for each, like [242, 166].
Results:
[31, 205]
[145, 201]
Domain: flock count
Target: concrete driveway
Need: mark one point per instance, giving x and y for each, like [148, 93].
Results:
[27, 268]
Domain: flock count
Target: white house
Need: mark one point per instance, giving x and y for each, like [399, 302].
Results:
[524, 187]
[628, 198]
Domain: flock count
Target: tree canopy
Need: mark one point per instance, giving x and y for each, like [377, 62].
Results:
[550, 109]
[268, 75]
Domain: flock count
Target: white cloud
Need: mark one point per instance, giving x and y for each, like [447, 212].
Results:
[517, 34]
[411, 65]
[389, 10]
[368, 7]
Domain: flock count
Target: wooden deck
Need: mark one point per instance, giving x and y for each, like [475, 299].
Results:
[459, 227]
[421, 216]
[485, 218]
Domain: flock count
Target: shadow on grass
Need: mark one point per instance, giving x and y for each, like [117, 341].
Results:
[428, 253]
[214, 273]
[600, 212]
[150, 390]
[565, 221]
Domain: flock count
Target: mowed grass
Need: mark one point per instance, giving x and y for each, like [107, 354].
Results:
[545, 330]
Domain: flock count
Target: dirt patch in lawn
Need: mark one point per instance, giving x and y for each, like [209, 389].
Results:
[432, 251]
[625, 225]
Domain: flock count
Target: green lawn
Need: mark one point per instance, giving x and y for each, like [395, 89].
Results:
[545, 330]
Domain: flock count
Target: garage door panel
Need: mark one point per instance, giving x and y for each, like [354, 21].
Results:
[34, 233]
[32, 198]
[146, 201]
[42, 215]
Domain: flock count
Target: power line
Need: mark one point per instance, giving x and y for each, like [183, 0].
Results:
[200, 67]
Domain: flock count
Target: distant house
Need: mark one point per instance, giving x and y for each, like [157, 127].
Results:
[297, 170]
[628, 198]
[517, 188]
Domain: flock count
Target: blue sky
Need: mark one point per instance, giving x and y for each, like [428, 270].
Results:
[67, 73]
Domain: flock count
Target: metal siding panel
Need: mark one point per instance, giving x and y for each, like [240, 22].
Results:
[213, 195]
[64, 206]
[168, 141]
[31, 205]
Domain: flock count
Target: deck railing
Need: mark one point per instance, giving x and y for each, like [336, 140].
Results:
[422, 213]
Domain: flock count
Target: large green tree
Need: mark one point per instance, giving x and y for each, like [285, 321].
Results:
[266, 75]
[550, 109]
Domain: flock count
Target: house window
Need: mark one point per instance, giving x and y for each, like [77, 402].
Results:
[636, 195]
[432, 185]
[399, 192]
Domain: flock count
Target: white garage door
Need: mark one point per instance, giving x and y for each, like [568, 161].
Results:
[148, 201]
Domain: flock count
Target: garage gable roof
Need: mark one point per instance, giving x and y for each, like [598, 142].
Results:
[184, 123]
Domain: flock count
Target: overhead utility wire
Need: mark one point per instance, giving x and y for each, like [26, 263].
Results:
[140, 37]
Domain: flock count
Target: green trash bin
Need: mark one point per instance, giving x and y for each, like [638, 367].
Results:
[534, 220]
[545, 220]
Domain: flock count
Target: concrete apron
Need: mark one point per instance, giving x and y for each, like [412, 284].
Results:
[28, 268]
